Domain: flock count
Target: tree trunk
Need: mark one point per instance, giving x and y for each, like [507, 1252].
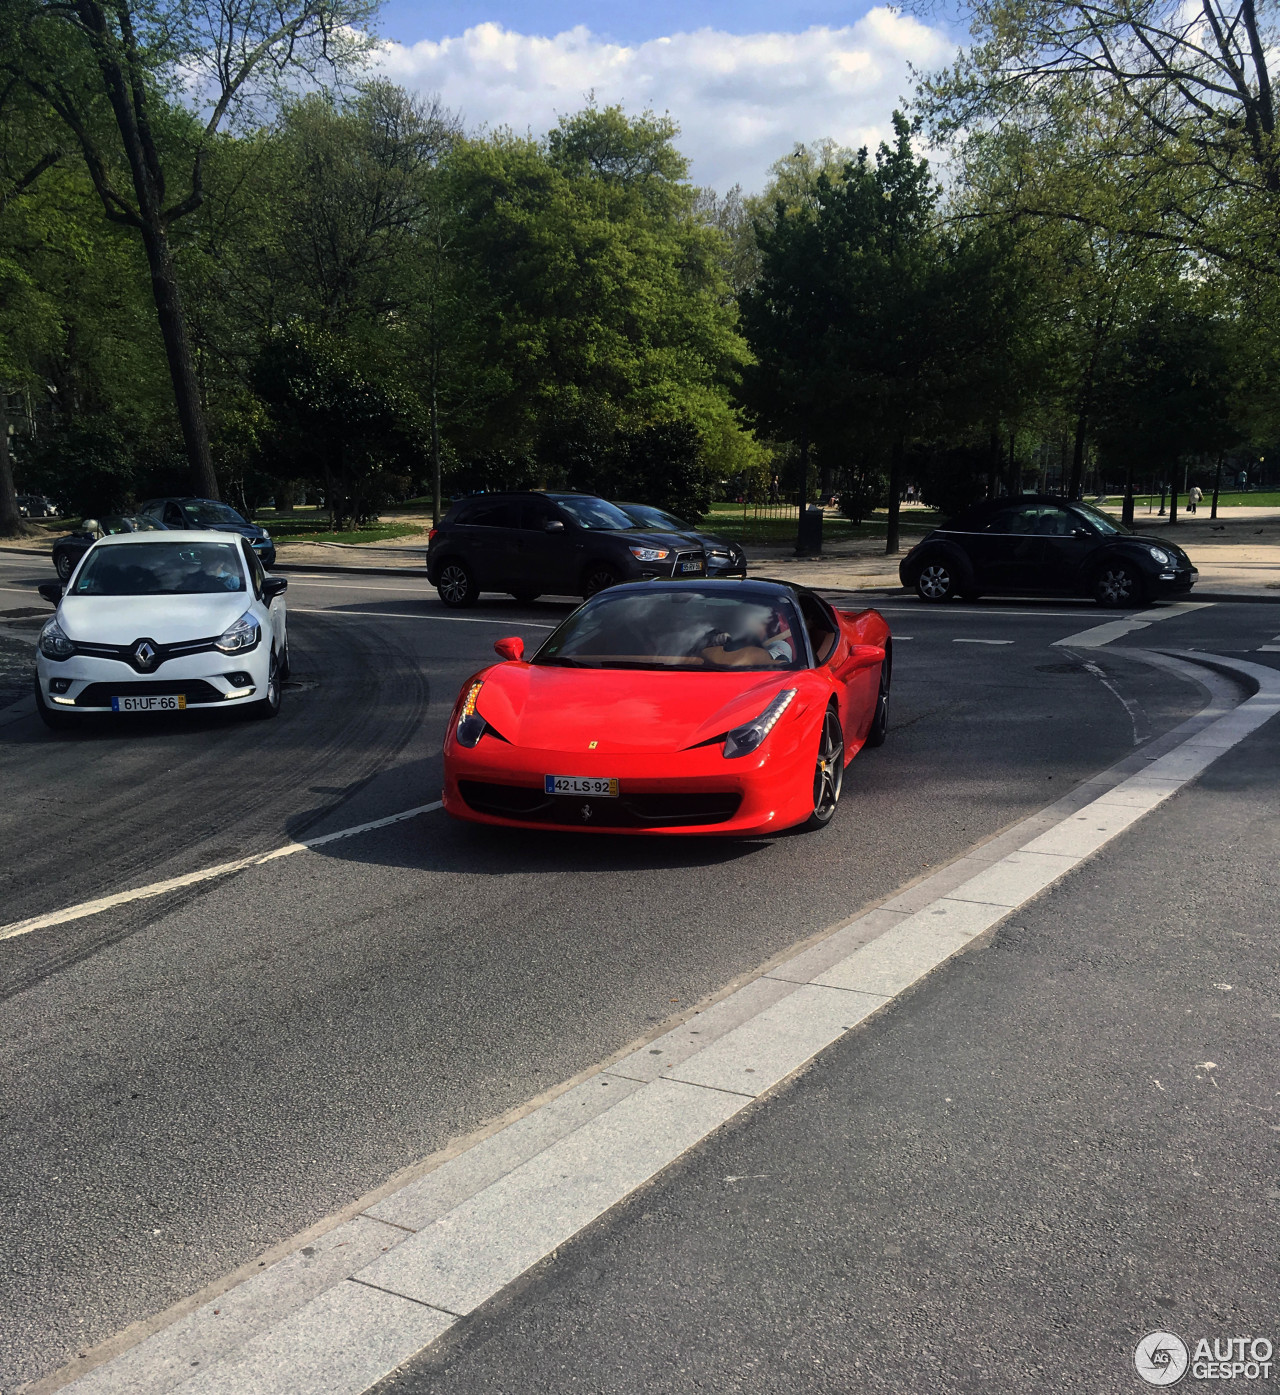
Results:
[896, 466]
[435, 438]
[804, 487]
[11, 524]
[1173, 498]
[1126, 511]
[1217, 485]
[1075, 488]
[177, 348]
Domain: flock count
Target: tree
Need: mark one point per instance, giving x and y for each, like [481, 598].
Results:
[108, 72]
[873, 328]
[1181, 98]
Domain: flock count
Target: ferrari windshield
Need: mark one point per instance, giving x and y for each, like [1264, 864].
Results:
[678, 628]
[160, 569]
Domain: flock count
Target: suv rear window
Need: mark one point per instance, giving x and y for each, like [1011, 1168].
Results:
[490, 513]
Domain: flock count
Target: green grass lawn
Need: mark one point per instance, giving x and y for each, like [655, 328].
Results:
[1262, 499]
[286, 529]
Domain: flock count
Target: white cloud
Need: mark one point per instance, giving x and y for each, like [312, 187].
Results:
[742, 100]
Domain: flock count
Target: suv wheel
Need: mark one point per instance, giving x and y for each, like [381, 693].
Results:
[598, 578]
[457, 587]
[65, 565]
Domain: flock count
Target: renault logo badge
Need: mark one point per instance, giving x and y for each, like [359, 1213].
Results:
[144, 653]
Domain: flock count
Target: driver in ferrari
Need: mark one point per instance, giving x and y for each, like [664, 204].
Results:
[759, 636]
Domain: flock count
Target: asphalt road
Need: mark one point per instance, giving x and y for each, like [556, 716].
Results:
[1060, 1141]
[187, 1081]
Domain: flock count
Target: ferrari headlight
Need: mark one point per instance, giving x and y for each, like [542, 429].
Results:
[1160, 555]
[54, 644]
[240, 637]
[741, 741]
[650, 554]
[470, 722]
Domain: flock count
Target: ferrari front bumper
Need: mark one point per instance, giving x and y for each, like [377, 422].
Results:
[686, 792]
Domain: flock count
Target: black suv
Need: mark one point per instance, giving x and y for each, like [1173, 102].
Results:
[723, 558]
[211, 514]
[1041, 543]
[562, 544]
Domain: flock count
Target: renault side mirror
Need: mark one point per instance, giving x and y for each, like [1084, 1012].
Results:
[553, 525]
[52, 591]
[273, 586]
[511, 646]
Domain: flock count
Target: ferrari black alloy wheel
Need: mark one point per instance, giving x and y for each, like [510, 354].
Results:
[828, 773]
[880, 722]
[457, 586]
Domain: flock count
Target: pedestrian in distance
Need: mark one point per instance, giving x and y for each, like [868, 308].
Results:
[1194, 497]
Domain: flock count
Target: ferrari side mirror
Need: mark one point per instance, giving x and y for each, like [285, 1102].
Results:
[511, 647]
[865, 655]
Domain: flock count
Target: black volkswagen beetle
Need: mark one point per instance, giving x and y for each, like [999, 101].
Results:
[1041, 544]
[69, 550]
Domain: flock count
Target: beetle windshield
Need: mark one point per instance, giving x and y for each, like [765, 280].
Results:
[1104, 523]
[160, 569]
[681, 628]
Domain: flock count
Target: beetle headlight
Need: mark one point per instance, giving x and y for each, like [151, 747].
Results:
[741, 741]
[54, 643]
[470, 723]
[241, 636]
[1160, 555]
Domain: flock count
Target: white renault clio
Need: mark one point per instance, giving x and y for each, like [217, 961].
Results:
[153, 622]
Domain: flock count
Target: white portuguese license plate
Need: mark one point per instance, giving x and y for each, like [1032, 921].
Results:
[690, 566]
[576, 784]
[167, 702]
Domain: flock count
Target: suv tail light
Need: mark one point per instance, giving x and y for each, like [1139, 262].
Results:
[431, 536]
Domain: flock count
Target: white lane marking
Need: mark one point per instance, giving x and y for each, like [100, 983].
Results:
[1272, 647]
[943, 612]
[477, 1220]
[1117, 629]
[222, 869]
[25, 591]
[395, 615]
[982, 641]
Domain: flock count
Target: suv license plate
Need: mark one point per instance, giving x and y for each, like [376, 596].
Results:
[576, 784]
[167, 702]
[690, 566]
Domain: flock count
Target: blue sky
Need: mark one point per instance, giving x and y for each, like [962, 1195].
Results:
[409, 21]
[746, 82]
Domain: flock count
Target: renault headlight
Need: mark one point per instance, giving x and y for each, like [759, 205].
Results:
[240, 637]
[741, 741]
[470, 722]
[1160, 555]
[650, 554]
[54, 643]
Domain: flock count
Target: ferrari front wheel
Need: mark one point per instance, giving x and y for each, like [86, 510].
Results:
[828, 773]
[880, 722]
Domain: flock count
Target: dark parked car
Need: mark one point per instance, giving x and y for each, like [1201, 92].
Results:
[212, 515]
[565, 544]
[69, 550]
[1042, 544]
[36, 506]
[723, 558]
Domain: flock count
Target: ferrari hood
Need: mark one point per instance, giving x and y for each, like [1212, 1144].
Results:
[165, 619]
[623, 710]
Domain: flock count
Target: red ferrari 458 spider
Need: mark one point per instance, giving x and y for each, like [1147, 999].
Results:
[727, 707]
